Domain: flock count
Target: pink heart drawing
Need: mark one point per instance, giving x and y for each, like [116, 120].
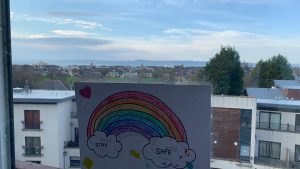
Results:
[86, 92]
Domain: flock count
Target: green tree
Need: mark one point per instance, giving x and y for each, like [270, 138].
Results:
[225, 73]
[275, 68]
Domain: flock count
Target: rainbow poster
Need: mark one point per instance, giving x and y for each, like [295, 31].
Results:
[143, 126]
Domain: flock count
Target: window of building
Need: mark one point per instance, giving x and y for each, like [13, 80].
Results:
[33, 146]
[297, 153]
[269, 120]
[74, 161]
[297, 122]
[76, 135]
[269, 149]
[245, 134]
[32, 119]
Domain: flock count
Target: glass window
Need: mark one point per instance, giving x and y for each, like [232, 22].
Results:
[270, 120]
[74, 161]
[76, 135]
[32, 146]
[297, 122]
[297, 153]
[32, 119]
[269, 149]
[245, 134]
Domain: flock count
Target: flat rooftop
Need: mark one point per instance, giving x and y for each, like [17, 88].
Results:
[43, 96]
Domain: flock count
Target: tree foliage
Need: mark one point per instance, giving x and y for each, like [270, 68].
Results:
[275, 68]
[225, 73]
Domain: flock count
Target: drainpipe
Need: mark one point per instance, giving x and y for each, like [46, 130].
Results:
[7, 152]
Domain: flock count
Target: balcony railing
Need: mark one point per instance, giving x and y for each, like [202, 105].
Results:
[275, 163]
[71, 144]
[33, 151]
[36, 127]
[278, 127]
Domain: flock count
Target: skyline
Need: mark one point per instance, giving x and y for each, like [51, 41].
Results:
[154, 29]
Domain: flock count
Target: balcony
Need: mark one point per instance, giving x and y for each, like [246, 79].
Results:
[278, 127]
[275, 163]
[71, 144]
[33, 151]
[35, 127]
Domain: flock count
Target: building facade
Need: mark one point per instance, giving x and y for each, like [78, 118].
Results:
[42, 124]
[278, 124]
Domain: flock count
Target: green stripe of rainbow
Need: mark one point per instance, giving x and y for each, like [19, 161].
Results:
[132, 111]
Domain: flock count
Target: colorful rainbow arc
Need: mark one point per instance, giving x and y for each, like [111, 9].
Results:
[138, 112]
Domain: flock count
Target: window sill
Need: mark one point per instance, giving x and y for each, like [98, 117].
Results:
[32, 129]
[33, 155]
[74, 167]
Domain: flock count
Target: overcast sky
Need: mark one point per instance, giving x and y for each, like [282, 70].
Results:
[154, 29]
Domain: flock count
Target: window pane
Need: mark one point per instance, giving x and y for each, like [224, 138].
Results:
[264, 120]
[297, 122]
[297, 153]
[275, 121]
[262, 149]
[275, 150]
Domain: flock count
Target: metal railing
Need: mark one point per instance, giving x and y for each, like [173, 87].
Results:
[275, 163]
[278, 127]
[71, 144]
[32, 127]
[32, 151]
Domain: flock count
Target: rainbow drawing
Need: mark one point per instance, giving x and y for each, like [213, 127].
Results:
[132, 111]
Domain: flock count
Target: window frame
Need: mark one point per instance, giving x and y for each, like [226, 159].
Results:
[78, 159]
[269, 120]
[269, 143]
[33, 124]
[295, 160]
[33, 141]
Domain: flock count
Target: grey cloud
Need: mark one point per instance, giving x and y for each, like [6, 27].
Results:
[69, 41]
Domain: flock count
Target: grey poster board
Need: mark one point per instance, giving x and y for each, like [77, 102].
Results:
[143, 126]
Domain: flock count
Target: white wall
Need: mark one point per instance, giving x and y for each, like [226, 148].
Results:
[49, 137]
[71, 152]
[287, 140]
[55, 131]
[239, 103]
[64, 130]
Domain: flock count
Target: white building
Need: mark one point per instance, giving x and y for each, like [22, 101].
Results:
[42, 125]
[278, 124]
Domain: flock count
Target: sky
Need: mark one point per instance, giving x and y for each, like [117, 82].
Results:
[154, 29]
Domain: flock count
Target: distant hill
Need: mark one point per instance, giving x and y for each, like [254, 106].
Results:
[116, 63]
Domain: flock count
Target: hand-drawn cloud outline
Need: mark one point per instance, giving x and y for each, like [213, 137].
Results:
[181, 154]
[112, 146]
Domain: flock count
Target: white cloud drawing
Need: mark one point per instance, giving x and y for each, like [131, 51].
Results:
[166, 151]
[105, 146]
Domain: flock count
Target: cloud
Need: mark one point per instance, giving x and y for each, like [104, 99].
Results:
[59, 40]
[104, 146]
[166, 151]
[60, 21]
[72, 33]
[172, 44]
